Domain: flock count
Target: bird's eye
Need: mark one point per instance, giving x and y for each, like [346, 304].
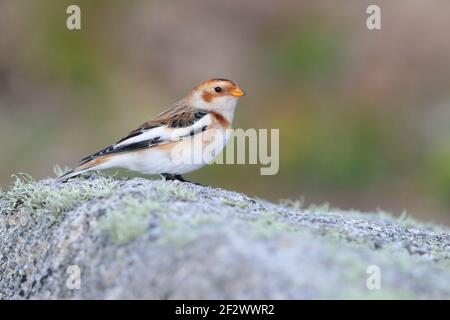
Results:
[218, 89]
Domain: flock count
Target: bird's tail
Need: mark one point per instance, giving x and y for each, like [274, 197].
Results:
[68, 175]
[84, 167]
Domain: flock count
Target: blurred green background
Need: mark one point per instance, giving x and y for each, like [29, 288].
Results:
[364, 116]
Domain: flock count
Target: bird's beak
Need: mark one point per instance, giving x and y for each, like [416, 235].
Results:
[237, 92]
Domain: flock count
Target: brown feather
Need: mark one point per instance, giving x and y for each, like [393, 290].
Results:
[224, 123]
[179, 115]
[207, 96]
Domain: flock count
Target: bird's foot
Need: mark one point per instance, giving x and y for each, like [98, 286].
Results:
[178, 177]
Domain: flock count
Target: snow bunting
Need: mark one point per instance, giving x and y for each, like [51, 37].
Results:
[196, 120]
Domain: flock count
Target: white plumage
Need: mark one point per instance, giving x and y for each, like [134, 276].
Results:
[182, 139]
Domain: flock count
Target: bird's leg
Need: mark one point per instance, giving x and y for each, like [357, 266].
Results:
[172, 177]
[168, 176]
[178, 177]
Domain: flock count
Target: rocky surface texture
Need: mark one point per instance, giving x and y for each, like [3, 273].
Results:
[152, 239]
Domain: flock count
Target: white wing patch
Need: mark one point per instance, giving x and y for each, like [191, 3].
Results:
[167, 134]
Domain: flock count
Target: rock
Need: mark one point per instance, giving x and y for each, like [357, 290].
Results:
[106, 238]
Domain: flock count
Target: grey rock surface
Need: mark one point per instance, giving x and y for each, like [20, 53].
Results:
[152, 239]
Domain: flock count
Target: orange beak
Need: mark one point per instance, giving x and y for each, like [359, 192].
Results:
[237, 92]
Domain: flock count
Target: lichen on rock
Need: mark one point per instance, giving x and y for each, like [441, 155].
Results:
[157, 239]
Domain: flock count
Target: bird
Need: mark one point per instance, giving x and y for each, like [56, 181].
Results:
[163, 144]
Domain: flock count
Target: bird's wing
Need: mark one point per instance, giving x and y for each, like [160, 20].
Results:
[179, 122]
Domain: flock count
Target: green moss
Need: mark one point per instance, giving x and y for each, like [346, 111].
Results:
[174, 232]
[130, 220]
[292, 204]
[233, 203]
[37, 198]
[58, 171]
[175, 191]
[181, 232]
[407, 221]
[323, 208]
[132, 217]
[121, 225]
[268, 227]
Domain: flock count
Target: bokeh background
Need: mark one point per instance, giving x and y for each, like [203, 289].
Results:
[364, 116]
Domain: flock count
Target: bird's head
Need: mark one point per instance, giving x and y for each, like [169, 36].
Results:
[216, 94]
